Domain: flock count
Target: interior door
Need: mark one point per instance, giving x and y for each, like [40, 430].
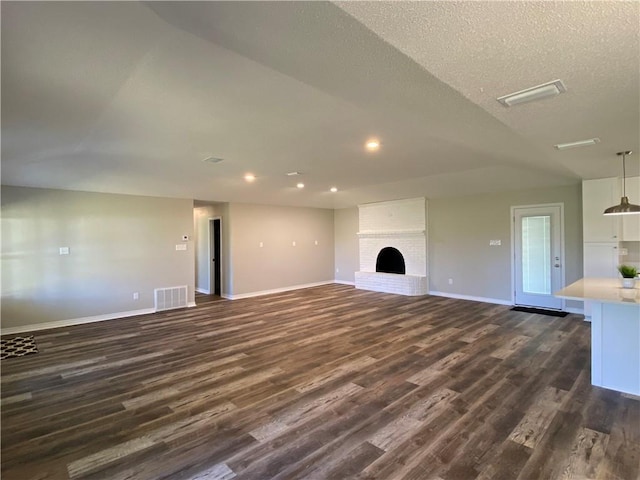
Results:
[538, 263]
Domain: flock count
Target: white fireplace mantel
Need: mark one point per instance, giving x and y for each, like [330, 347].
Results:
[390, 233]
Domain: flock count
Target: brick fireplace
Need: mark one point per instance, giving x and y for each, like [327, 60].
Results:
[397, 225]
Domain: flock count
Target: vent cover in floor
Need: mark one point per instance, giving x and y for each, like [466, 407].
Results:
[170, 298]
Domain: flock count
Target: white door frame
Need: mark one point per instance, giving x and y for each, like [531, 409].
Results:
[513, 246]
[212, 285]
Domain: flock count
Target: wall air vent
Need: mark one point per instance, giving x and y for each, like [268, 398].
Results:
[170, 298]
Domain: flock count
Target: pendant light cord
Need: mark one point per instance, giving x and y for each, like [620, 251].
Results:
[624, 177]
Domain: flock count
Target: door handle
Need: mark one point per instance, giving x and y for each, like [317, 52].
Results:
[557, 265]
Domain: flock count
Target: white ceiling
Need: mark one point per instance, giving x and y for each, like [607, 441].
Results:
[130, 97]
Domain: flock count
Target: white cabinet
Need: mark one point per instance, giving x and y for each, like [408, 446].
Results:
[600, 261]
[597, 195]
[615, 347]
[631, 223]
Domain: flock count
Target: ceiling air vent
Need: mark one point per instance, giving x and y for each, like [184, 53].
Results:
[580, 143]
[549, 89]
[213, 160]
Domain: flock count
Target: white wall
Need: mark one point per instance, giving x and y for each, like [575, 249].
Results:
[278, 264]
[122, 244]
[119, 244]
[347, 252]
[459, 231]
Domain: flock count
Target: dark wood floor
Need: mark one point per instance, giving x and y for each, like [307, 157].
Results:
[204, 299]
[323, 383]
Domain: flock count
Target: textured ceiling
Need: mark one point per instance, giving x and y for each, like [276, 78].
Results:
[129, 97]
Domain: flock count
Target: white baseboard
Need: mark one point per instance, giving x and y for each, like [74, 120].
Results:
[203, 290]
[470, 297]
[344, 282]
[75, 321]
[81, 320]
[578, 311]
[275, 290]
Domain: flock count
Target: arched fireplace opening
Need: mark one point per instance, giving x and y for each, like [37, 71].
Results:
[390, 260]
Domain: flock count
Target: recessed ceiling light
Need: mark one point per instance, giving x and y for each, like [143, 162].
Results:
[333, 189]
[549, 89]
[300, 185]
[372, 145]
[293, 174]
[213, 160]
[581, 143]
[249, 177]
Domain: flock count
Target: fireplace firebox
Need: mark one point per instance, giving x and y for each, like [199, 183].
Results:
[390, 260]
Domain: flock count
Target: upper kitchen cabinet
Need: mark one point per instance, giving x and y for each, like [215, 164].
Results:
[597, 195]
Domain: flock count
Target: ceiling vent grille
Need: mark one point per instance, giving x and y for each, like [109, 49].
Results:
[213, 160]
[170, 298]
[549, 89]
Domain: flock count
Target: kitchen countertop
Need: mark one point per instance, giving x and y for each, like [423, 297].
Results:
[608, 290]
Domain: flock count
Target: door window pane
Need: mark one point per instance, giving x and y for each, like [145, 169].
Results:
[536, 254]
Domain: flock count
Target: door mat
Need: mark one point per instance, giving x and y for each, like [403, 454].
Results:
[541, 311]
[17, 347]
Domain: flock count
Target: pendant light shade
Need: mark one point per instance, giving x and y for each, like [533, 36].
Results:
[624, 208]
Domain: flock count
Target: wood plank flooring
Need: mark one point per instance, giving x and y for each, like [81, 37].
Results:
[322, 383]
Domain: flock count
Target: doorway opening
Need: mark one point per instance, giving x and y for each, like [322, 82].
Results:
[214, 256]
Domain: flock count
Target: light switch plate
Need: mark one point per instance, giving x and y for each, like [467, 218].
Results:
[495, 242]
[64, 250]
[181, 246]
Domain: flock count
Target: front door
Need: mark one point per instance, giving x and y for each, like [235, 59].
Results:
[538, 248]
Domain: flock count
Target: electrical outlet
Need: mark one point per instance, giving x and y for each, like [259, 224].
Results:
[136, 295]
[293, 243]
[337, 270]
[494, 243]
[261, 244]
[623, 251]
[64, 250]
[316, 242]
[451, 281]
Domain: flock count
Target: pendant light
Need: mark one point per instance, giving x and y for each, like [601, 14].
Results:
[625, 208]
